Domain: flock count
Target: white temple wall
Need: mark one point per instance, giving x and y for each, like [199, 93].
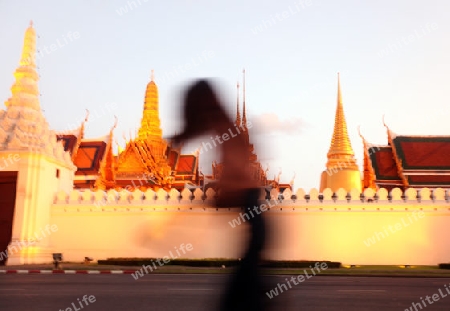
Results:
[355, 232]
[36, 184]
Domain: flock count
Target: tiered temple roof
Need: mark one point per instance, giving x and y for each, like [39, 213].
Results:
[259, 174]
[409, 162]
[147, 161]
[88, 155]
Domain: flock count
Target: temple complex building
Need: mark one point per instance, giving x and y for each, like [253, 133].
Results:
[53, 198]
[34, 164]
[150, 158]
[341, 168]
[242, 125]
[407, 162]
[147, 161]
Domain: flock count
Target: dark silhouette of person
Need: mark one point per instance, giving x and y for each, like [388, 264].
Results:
[203, 113]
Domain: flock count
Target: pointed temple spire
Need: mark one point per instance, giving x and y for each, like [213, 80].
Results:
[340, 143]
[244, 114]
[150, 123]
[148, 148]
[342, 169]
[26, 75]
[238, 113]
[22, 124]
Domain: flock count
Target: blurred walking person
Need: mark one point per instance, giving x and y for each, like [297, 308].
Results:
[203, 113]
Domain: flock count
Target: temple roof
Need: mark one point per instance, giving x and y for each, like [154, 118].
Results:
[412, 161]
[89, 157]
[172, 159]
[431, 153]
[383, 163]
[69, 142]
[187, 165]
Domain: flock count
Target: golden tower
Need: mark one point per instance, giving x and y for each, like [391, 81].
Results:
[145, 156]
[341, 168]
[23, 126]
[150, 130]
[25, 91]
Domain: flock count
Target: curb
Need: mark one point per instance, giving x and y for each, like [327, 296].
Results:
[67, 271]
[384, 275]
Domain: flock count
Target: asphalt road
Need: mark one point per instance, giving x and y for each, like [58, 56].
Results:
[160, 292]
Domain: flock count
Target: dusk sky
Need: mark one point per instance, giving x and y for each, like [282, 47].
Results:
[393, 58]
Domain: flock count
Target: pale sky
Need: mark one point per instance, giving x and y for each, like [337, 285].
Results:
[393, 58]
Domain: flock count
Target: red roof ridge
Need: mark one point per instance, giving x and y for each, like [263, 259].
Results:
[104, 139]
[424, 136]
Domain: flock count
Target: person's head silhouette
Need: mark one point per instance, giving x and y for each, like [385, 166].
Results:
[202, 112]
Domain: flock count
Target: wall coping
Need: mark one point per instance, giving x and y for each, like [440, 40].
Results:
[100, 199]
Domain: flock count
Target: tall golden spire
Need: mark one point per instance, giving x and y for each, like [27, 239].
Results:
[341, 169]
[244, 114]
[150, 123]
[238, 113]
[340, 143]
[25, 91]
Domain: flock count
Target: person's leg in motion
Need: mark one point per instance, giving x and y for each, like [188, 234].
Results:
[245, 291]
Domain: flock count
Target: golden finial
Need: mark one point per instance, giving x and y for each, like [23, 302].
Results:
[238, 113]
[153, 75]
[339, 90]
[115, 122]
[390, 134]
[87, 115]
[31, 23]
[244, 117]
[384, 123]
[362, 137]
